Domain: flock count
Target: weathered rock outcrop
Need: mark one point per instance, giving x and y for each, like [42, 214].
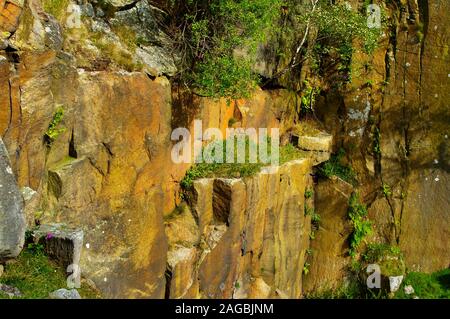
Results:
[60, 243]
[12, 217]
[329, 258]
[255, 228]
[105, 173]
[103, 90]
[10, 11]
[395, 132]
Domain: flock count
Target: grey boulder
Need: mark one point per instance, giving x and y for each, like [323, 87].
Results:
[12, 215]
[65, 294]
[10, 291]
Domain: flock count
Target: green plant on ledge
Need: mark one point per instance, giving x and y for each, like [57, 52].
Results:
[334, 167]
[54, 130]
[362, 227]
[221, 40]
[236, 170]
[309, 97]
[376, 252]
[306, 268]
[426, 286]
[309, 193]
[308, 210]
[315, 218]
[387, 192]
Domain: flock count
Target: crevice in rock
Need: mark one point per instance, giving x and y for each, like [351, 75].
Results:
[10, 106]
[151, 77]
[221, 201]
[423, 17]
[72, 151]
[108, 149]
[128, 6]
[54, 184]
[168, 276]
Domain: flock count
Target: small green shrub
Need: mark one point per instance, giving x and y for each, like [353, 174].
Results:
[309, 97]
[221, 40]
[362, 227]
[309, 193]
[306, 268]
[389, 258]
[225, 76]
[315, 218]
[35, 248]
[387, 192]
[334, 167]
[340, 30]
[54, 129]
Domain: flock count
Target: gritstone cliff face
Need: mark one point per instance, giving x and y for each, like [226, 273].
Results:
[105, 166]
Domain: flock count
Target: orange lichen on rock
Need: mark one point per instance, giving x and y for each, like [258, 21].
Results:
[10, 11]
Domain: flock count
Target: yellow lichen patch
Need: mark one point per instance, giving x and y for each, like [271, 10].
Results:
[26, 25]
[121, 57]
[306, 128]
[151, 236]
[57, 8]
[127, 36]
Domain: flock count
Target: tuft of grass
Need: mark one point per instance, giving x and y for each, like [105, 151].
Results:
[426, 286]
[315, 218]
[236, 170]
[127, 36]
[375, 252]
[309, 193]
[389, 258]
[121, 57]
[57, 8]
[352, 290]
[306, 268]
[289, 153]
[177, 211]
[54, 128]
[36, 276]
[335, 167]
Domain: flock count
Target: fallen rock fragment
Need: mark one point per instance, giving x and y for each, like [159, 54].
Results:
[12, 216]
[61, 243]
[409, 290]
[10, 291]
[65, 294]
[395, 282]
